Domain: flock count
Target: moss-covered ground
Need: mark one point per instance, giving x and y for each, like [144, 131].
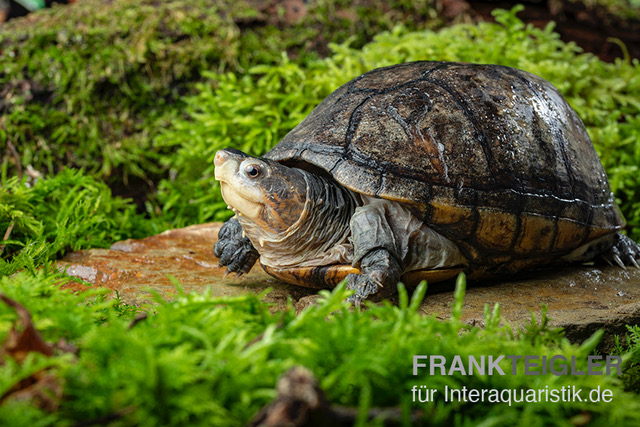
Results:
[629, 9]
[136, 96]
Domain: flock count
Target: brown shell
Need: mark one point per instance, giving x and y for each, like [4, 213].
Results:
[491, 157]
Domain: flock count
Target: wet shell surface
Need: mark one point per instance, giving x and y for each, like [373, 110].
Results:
[491, 157]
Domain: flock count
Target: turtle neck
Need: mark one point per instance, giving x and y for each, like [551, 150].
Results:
[321, 236]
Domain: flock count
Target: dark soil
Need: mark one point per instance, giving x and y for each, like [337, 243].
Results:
[592, 29]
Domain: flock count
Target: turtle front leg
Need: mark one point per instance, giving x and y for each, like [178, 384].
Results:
[234, 250]
[375, 254]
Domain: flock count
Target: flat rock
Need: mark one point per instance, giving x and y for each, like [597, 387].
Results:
[579, 299]
[135, 267]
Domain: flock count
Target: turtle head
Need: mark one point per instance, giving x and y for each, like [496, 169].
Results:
[269, 195]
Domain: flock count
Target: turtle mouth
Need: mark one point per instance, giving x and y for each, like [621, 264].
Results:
[238, 203]
[241, 196]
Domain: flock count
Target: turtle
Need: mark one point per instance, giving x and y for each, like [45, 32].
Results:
[423, 170]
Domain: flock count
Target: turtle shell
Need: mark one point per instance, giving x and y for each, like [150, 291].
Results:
[491, 157]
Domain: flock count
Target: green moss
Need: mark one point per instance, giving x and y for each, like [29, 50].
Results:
[90, 85]
[86, 90]
[68, 212]
[181, 365]
[629, 345]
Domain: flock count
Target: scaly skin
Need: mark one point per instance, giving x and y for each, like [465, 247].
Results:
[234, 250]
[258, 202]
[380, 271]
[624, 252]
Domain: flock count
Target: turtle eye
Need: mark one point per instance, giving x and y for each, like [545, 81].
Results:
[252, 171]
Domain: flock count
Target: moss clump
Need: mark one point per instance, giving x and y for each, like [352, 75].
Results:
[629, 346]
[67, 212]
[85, 90]
[90, 85]
[181, 365]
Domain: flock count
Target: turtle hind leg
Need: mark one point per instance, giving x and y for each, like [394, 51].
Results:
[379, 273]
[624, 252]
[374, 253]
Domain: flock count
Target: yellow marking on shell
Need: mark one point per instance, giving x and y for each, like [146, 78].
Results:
[536, 234]
[496, 229]
[595, 233]
[413, 278]
[443, 213]
[570, 234]
[312, 277]
[329, 276]
[499, 259]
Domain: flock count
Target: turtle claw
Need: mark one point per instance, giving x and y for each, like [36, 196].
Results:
[355, 300]
[628, 250]
[624, 252]
[363, 286]
[233, 250]
[238, 274]
[618, 261]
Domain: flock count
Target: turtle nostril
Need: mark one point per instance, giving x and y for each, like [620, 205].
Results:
[220, 158]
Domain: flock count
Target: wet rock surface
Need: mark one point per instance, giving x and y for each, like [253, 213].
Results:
[580, 299]
[185, 255]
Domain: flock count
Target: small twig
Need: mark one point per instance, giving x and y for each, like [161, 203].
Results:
[139, 318]
[13, 150]
[301, 402]
[7, 234]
